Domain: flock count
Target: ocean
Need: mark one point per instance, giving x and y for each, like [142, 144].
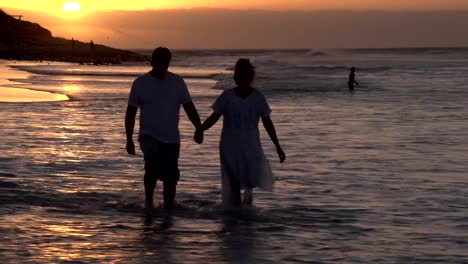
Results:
[375, 176]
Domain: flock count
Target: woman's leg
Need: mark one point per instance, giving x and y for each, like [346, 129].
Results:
[248, 196]
[235, 192]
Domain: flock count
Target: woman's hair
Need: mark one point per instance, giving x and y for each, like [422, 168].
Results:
[244, 72]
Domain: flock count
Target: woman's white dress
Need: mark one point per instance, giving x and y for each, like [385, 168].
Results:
[241, 152]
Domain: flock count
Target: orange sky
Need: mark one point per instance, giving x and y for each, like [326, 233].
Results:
[408, 25]
[55, 6]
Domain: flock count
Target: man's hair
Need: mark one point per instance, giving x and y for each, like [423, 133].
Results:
[244, 72]
[161, 55]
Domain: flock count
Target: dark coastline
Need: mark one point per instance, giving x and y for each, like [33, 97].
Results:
[23, 40]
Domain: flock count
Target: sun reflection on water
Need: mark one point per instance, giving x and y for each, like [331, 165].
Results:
[67, 230]
[19, 95]
[72, 88]
[68, 78]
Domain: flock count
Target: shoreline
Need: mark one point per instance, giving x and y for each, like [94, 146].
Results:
[99, 55]
[11, 94]
[25, 95]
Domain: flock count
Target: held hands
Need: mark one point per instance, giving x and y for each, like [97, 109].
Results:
[281, 155]
[130, 147]
[198, 136]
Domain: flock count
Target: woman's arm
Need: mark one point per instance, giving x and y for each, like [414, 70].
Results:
[210, 121]
[270, 128]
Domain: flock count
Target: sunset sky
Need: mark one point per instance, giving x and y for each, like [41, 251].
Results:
[55, 6]
[252, 23]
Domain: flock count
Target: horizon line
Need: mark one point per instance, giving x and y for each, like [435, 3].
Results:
[201, 8]
[301, 49]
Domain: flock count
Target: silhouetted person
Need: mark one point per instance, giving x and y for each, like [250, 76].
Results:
[91, 45]
[159, 95]
[243, 163]
[73, 43]
[352, 79]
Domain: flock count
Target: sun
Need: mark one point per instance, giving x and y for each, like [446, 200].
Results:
[71, 7]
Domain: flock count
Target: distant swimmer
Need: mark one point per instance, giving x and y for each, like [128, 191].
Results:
[352, 79]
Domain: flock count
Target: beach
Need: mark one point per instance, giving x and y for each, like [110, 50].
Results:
[374, 176]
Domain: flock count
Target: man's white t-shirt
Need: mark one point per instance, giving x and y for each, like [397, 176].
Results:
[159, 102]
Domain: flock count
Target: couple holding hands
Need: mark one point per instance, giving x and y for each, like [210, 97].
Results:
[159, 95]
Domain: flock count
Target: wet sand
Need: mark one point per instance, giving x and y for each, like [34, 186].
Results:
[21, 95]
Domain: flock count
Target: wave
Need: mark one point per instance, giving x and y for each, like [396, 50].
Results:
[324, 68]
[101, 73]
[239, 52]
[409, 51]
[8, 185]
[315, 53]
[15, 195]
[375, 69]
[7, 174]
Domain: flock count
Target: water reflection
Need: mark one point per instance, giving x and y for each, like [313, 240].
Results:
[72, 88]
[18, 95]
[157, 239]
[67, 230]
[238, 236]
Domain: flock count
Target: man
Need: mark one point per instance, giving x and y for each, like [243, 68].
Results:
[159, 94]
[352, 80]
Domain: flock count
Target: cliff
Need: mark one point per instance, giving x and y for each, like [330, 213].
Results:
[23, 40]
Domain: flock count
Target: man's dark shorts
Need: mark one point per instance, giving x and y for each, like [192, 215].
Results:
[161, 159]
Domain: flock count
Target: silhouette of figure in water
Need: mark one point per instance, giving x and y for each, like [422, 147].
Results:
[352, 79]
[159, 95]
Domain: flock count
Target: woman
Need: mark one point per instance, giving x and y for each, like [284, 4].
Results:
[243, 163]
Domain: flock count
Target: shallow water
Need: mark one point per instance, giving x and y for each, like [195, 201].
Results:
[378, 176]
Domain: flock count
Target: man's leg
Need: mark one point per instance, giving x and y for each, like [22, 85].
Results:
[146, 145]
[170, 160]
[169, 194]
[150, 184]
